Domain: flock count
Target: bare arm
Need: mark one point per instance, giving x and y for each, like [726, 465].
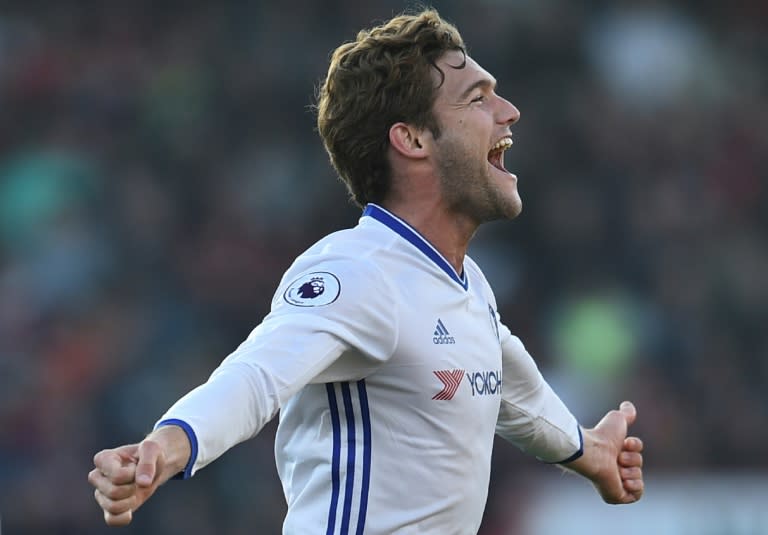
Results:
[125, 477]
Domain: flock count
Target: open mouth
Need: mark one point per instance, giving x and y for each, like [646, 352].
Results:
[496, 154]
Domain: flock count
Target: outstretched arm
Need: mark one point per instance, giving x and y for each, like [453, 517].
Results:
[125, 477]
[612, 460]
[534, 418]
[291, 347]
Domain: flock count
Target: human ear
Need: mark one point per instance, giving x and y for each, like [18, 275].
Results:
[406, 140]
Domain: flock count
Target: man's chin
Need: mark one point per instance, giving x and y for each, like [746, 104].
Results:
[510, 205]
[516, 208]
[506, 210]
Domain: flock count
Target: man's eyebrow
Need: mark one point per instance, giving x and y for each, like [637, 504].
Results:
[483, 82]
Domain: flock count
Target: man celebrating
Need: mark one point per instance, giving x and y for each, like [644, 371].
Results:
[383, 351]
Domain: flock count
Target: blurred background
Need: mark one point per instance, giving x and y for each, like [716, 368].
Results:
[159, 170]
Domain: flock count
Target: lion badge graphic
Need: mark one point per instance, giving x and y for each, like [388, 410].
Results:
[313, 290]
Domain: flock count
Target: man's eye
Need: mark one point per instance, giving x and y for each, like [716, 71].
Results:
[478, 98]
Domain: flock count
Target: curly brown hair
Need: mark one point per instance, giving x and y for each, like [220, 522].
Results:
[383, 77]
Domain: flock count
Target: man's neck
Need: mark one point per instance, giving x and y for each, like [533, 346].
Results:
[447, 231]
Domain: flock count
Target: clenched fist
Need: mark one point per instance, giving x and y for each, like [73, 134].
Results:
[125, 477]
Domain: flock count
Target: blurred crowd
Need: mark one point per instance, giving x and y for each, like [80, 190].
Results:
[159, 170]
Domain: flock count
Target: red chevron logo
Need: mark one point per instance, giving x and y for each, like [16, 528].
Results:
[451, 380]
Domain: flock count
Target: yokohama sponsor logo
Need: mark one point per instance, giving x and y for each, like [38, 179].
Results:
[451, 380]
[485, 383]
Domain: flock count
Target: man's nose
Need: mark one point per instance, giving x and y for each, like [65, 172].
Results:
[508, 113]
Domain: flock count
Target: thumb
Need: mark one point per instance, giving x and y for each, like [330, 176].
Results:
[146, 468]
[616, 422]
[629, 411]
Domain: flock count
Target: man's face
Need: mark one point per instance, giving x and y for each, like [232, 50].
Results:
[474, 131]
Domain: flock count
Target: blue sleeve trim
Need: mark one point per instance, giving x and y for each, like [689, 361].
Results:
[187, 473]
[579, 452]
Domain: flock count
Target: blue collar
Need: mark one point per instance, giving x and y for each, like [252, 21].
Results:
[417, 240]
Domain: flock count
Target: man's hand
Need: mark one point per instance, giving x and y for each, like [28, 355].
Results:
[125, 477]
[612, 460]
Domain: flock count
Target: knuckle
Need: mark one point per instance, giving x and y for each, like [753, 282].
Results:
[98, 458]
[93, 476]
[115, 508]
[102, 500]
[117, 520]
[110, 506]
[111, 491]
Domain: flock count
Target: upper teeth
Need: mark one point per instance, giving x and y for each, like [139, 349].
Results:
[502, 144]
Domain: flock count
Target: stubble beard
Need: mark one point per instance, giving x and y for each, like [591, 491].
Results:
[469, 188]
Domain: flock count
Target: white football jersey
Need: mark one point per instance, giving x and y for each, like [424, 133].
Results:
[391, 373]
